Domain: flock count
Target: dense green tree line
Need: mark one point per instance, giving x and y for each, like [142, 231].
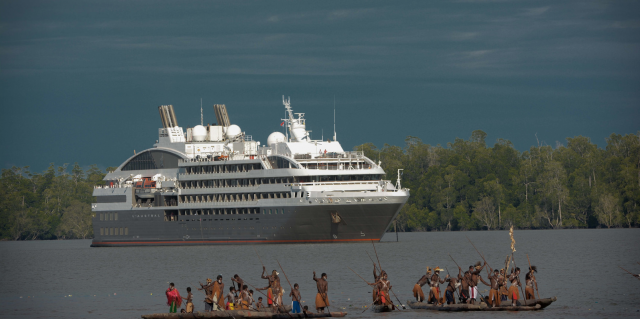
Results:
[467, 185]
[463, 186]
[53, 204]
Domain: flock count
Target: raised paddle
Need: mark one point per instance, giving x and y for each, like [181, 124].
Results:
[285, 276]
[632, 274]
[535, 281]
[374, 250]
[277, 306]
[474, 246]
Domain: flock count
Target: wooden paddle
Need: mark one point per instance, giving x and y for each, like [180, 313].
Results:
[535, 281]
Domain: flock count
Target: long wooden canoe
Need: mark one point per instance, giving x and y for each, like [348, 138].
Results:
[237, 314]
[381, 308]
[468, 307]
[544, 302]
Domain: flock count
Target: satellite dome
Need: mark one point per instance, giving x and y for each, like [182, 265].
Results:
[275, 137]
[233, 131]
[199, 133]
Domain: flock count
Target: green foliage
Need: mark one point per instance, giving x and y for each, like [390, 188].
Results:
[54, 204]
[467, 185]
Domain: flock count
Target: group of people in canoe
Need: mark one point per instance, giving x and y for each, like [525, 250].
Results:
[503, 286]
[242, 298]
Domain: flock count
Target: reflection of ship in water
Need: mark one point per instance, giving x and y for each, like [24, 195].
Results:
[219, 186]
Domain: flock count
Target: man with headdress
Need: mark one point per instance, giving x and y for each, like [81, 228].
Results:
[530, 280]
[434, 293]
[274, 290]
[322, 298]
[454, 283]
[417, 288]
[514, 278]
[384, 288]
[208, 292]
[473, 283]
[173, 298]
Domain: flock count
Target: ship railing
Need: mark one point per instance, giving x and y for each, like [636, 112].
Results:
[254, 202]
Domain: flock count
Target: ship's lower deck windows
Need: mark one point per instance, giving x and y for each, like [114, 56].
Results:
[226, 198]
[101, 231]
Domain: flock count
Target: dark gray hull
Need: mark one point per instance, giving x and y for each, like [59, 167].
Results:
[297, 224]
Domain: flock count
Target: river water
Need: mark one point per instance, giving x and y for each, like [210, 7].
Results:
[68, 279]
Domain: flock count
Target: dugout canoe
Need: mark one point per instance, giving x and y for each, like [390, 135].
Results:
[467, 307]
[544, 302]
[237, 314]
[381, 308]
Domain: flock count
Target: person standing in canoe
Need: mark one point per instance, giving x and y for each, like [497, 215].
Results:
[218, 294]
[514, 278]
[385, 287]
[473, 283]
[494, 295]
[189, 302]
[504, 292]
[239, 281]
[173, 298]
[230, 299]
[295, 299]
[273, 289]
[465, 288]
[454, 282]
[208, 292]
[530, 280]
[434, 292]
[417, 288]
[322, 298]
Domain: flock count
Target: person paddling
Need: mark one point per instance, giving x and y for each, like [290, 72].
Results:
[417, 288]
[530, 281]
[322, 298]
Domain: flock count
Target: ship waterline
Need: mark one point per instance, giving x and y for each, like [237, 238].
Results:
[218, 186]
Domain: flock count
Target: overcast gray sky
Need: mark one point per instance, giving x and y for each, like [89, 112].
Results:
[80, 81]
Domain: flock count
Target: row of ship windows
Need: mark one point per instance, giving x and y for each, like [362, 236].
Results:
[114, 231]
[242, 197]
[172, 216]
[212, 169]
[238, 228]
[249, 182]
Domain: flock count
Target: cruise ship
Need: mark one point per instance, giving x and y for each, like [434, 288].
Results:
[216, 185]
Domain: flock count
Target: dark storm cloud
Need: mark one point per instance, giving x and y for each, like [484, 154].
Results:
[80, 81]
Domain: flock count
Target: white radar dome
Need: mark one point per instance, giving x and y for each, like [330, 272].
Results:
[233, 131]
[199, 133]
[275, 137]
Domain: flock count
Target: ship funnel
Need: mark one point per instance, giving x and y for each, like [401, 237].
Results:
[167, 116]
[221, 115]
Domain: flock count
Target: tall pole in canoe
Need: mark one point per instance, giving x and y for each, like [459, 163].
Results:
[535, 281]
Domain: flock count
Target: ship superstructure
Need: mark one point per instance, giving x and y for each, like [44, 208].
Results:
[216, 185]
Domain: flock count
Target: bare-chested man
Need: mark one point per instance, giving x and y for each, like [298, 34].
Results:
[238, 281]
[245, 298]
[274, 291]
[473, 283]
[434, 293]
[464, 287]
[322, 298]
[295, 299]
[384, 288]
[417, 288]
[514, 278]
[494, 295]
[208, 291]
[504, 292]
[530, 279]
[454, 283]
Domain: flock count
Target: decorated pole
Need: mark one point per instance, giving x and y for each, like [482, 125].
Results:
[513, 250]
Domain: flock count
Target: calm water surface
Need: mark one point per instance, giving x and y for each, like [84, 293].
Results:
[68, 279]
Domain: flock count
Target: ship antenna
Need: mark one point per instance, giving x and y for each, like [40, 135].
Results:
[334, 118]
[201, 118]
